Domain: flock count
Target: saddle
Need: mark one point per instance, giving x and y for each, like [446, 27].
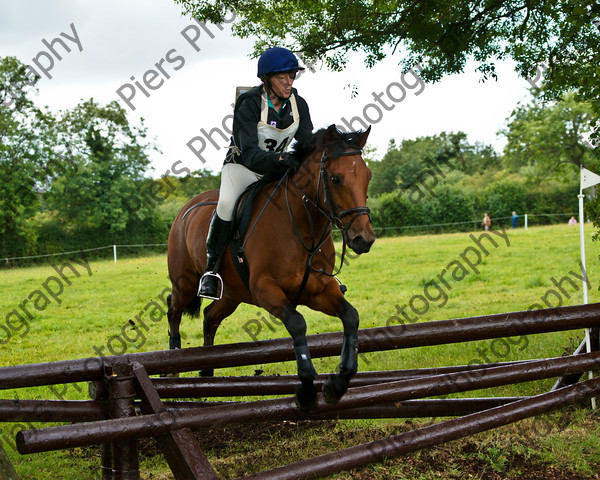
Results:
[240, 226]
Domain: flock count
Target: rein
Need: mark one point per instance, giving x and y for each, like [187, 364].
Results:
[285, 176]
[333, 218]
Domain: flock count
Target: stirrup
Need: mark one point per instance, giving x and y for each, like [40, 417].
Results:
[219, 279]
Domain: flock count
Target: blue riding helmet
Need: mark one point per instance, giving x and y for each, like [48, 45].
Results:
[277, 59]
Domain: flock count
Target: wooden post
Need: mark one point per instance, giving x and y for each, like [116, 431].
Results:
[124, 456]
[180, 447]
[98, 391]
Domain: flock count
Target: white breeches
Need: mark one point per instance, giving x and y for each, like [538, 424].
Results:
[235, 179]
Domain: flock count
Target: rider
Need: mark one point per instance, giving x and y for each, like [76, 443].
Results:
[266, 119]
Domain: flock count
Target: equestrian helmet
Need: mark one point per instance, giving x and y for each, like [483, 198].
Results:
[277, 59]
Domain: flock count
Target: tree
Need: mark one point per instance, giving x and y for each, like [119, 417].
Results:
[505, 196]
[545, 141]
[74, 177]
[27, 158]
[100, 191]
[427, 161]
[558, 36]
[196, 182]
[385, 171]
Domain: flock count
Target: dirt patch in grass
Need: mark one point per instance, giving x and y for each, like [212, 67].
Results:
[508, 453]
[223, 439]
[451, 463]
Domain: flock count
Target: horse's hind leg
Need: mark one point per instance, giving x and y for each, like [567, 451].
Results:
[182, 299]
[174, 318]
[214, 314]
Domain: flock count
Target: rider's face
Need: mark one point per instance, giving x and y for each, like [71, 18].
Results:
[282, 83]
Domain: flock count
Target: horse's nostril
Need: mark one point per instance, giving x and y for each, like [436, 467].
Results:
[360, 245]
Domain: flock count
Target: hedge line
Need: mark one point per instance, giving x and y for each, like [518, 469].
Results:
[392, 213]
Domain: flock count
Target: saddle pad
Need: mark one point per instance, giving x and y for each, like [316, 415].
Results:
[242, 218]
[243, 208]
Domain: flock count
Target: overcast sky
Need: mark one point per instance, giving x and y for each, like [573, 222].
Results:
[194, 83]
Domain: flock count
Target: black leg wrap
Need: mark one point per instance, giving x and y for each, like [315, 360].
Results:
[349, 356]
[174, 341]
[306, 370]
[337, 385]
[306, 392]
[208, 372]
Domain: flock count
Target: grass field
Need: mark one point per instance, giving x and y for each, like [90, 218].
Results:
[78, 309]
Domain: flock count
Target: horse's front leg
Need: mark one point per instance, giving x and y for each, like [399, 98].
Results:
[272, 298]
[306, 392]
[337, 385]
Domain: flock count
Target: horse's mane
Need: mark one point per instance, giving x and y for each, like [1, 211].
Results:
[302, 149]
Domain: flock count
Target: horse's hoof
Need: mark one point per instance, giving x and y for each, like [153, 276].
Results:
[306, 398]
[334, 389]
[209, 372]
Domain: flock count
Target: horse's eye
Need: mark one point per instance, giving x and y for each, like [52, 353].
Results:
[336, 179]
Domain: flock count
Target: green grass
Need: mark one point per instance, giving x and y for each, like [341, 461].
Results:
[92, 316]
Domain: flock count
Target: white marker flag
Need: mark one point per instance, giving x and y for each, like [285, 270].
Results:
[588, 179]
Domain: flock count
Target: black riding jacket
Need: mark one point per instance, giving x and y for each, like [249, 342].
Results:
[246, 117]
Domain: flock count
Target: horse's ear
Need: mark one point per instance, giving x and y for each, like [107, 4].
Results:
[363, 138]
[332, 134]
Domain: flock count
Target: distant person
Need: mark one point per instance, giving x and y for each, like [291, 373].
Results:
[513, 220]
[486, 222]
[572, 221]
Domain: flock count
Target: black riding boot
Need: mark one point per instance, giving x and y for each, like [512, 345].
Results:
[216, 242]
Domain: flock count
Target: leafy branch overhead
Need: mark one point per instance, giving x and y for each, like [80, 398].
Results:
[441, 36]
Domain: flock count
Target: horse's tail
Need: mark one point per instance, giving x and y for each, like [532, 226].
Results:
[193, 308]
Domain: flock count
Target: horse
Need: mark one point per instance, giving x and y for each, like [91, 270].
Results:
[289, 253]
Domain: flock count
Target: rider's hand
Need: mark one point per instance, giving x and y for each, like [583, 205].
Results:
[289, 161]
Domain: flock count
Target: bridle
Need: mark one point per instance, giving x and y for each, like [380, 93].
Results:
[332, 216]
[332, 213]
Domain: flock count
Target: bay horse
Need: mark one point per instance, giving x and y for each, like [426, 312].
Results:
[289, 252]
